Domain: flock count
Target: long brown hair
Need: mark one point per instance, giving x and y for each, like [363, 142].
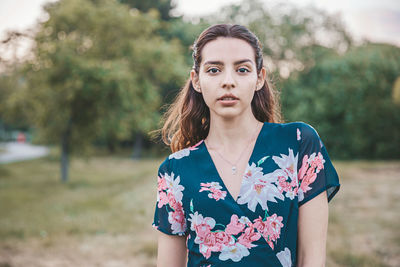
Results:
[187, 121]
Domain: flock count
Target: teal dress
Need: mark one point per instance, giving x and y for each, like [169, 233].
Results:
[289, 166]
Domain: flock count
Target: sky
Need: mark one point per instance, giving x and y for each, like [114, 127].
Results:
[376, 20]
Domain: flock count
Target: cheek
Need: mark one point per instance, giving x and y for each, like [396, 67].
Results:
[207, 81]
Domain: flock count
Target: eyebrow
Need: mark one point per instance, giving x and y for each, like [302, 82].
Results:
[221, 63]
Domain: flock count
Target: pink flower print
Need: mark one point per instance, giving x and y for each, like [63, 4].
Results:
[260, 225]
[276, 224]
[222, 238]
[177, 221]
[234, 227]
[202, 227]
[308, 172]
[162, 199]
[215, 189]
[213, 242]
[283, 184]
[170, 194]
[217, 194]
[172, 200]
[202, 230]
[249, 236]
[269, 229]
[161, 182]
[194, 147]
[318, 162]
[298, 134]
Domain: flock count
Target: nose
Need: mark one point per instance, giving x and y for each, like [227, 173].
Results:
[228, 80]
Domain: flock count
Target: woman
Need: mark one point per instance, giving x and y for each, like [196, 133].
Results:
[241, 188]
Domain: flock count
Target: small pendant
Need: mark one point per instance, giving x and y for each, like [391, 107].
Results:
[233, 170]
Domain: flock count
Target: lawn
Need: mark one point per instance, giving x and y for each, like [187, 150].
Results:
[103, 215]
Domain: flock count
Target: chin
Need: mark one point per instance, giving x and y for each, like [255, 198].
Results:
[228, 114]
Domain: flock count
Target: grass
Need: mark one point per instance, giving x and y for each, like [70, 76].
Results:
[103, 215]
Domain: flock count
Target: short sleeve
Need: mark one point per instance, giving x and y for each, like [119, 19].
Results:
[169, 215]
[316, 172]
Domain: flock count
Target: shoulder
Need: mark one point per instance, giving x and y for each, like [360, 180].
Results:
[299, 128]
[302, 131]
[164, 166]
[307, 135]
[305, 130]
[179, 157]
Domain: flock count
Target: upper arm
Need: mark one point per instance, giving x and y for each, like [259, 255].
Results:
[318, 182]
[312, 231]
[172, 250]
[169, 218]
[316, 172]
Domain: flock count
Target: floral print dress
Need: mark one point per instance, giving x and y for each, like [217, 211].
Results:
[289, 166]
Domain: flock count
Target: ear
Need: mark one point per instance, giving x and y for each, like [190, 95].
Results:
[195, 80]
[261, 78]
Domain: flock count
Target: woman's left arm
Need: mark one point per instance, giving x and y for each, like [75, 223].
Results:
[312, 232]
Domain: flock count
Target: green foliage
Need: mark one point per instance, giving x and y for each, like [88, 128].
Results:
[164, 7]
[9, 95]
[349, 100]
[98, 69]
[184, 33]
[292, 38]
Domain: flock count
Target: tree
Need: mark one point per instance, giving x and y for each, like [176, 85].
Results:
[293, 38]
[163, 6]
[97, 71]
[350, 99]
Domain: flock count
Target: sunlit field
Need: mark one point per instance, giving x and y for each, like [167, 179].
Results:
[103, 215]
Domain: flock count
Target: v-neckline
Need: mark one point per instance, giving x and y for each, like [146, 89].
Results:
[215, 170]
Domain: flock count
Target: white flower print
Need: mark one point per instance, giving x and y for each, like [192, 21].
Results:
[235, 252]
[285, 258]
[298, 134]
[290, 194]
[184, 152]
[200, 225]
[180, 154]
[288, 163]
[177, 221]
[174, 187]
[197, 219]
[300, 194]
[258, 188]
[244, 220]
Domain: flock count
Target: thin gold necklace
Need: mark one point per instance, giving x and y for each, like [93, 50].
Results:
[234, 168]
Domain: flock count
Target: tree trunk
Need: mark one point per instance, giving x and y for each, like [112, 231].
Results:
[138, 146]
[110, 145]
[65, 149]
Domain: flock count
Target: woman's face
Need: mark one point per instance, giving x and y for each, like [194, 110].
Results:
[228, 77]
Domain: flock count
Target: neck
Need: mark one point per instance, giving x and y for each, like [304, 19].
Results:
[232, 134]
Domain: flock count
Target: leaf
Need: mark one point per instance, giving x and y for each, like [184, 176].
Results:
[191, 206]
[261, 161]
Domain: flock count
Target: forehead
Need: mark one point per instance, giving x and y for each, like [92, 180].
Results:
[227, 49]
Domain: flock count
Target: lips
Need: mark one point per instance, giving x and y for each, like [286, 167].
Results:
[228, 97]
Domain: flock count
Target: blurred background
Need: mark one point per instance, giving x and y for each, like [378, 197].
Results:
[83, 82]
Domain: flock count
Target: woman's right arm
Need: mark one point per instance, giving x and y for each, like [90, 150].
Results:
[172, 250]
